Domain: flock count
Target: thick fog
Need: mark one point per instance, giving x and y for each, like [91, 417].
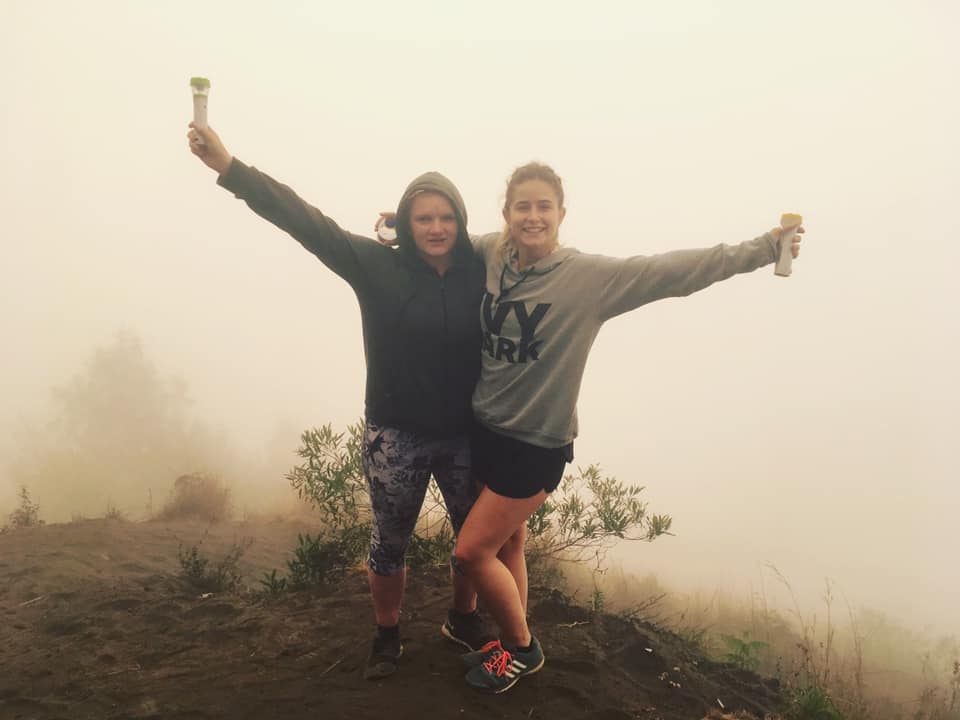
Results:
[807, 422]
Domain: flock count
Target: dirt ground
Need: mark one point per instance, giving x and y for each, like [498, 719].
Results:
[95, 623]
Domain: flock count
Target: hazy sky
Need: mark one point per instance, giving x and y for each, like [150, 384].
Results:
[809, 422]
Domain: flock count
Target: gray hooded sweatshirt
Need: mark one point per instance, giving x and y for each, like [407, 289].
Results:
[539, 324]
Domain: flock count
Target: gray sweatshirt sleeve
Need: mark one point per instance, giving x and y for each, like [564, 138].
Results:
[484, 245]
[628, 283]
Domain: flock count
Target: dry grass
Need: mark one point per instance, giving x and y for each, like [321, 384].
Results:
[869, 665]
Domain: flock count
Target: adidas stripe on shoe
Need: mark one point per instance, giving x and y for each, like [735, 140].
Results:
[502, 668]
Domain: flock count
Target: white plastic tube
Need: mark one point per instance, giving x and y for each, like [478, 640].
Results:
[201, 91]
[789, 222]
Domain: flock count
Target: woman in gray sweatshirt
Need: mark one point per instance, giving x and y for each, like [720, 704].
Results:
[542, 308]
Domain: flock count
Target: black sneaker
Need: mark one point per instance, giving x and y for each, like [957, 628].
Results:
[384, 657]
[466, 630]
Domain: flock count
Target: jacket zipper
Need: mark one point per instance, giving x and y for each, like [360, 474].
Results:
[446, 351]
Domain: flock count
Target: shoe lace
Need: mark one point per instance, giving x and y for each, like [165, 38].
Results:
[492, 645]
[499, 662]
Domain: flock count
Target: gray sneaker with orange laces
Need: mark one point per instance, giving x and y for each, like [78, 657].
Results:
[501, 668]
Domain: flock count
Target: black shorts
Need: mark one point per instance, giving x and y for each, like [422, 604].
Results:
[514, 468]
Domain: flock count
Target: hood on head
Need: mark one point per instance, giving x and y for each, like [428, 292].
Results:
[437, 183]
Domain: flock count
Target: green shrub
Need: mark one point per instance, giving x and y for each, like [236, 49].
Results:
[224, 576]
[26, 515]
[431, 548]
[743, 652]
[273, 586]
[587, 514]
[813, 703]
[331, 477]
[320, 560]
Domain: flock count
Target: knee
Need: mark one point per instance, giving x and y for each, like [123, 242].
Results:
[385, 560]
[464, 558]
[467, 555]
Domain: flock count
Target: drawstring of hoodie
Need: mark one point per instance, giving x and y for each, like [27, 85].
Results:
[523, 276]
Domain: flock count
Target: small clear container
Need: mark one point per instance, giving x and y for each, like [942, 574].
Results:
[201, 91]
[387, 232]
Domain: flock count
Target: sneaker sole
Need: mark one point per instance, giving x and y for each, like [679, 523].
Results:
[497, 691]
[382, 666]
[450, 636]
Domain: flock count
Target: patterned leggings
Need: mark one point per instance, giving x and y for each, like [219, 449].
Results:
[398, 465]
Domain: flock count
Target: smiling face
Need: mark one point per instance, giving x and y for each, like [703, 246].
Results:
[433, 224]
[533, 214]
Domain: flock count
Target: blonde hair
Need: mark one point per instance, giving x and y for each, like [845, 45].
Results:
[530, 171]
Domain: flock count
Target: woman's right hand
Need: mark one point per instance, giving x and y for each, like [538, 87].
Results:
[211, 150]
[384, 217]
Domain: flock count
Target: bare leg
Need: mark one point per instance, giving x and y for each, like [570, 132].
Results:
[513, 556]
[492, 521]
[387, 593]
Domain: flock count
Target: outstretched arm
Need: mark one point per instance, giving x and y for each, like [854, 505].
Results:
[346, 254]
[628, 283]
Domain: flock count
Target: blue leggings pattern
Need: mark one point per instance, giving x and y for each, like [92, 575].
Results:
[398, 465]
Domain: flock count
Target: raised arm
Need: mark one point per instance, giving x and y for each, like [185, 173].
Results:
[628, 283]
[346, 254]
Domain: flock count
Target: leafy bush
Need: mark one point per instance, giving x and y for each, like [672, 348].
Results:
[813, 703]
[198, 496]
[743, 652]
[199, 575]
[26, 515]
[321, 560]
[331, 480]
[433, 541]
[273, 586]
[587, 514]
[318, 561]
[331, 477]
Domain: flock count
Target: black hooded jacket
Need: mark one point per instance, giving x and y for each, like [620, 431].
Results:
[421, 331]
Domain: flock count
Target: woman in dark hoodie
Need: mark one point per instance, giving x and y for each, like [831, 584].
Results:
[421, 336]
